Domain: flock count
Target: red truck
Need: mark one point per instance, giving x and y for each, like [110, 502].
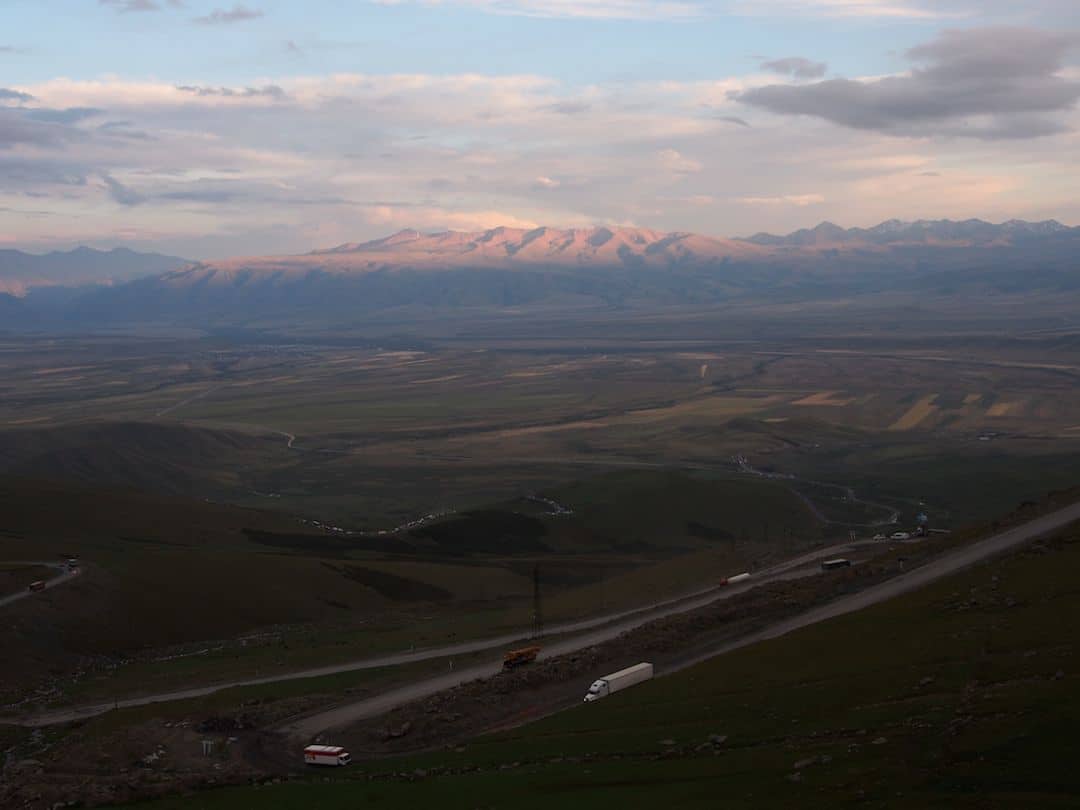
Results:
[519, 658]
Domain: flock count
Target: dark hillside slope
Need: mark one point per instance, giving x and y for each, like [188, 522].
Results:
[165, 458]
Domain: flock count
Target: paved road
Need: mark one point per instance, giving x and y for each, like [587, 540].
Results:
[309, 727]
[606, 626]
[64, 576]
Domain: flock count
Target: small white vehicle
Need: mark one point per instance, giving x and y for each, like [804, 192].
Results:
[880, 537]
[617, 681]
[901, 536]
[333, 755]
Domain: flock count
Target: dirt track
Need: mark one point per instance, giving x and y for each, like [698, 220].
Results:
[350, 714]
[610, 625]
[65, 575]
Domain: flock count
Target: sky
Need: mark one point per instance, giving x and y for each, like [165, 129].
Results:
[211, 128]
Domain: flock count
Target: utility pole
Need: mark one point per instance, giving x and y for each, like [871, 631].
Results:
[538, 616]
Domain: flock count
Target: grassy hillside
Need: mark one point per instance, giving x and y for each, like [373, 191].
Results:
[165, 577]
[964, 694]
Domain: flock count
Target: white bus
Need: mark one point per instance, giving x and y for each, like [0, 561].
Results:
[333, 755]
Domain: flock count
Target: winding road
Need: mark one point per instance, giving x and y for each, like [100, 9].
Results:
[588, 632]
[312, 725]
[602, 628]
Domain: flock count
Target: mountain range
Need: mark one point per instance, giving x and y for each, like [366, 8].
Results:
[21, 272]
[505, 268]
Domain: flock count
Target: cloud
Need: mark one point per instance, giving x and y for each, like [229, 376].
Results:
[14, 95]
[989, 83]
[267, 91]
[238, 13]
[892, 9]
[435, 218]
[911, 10]
[121, 193]
[71, 115]
[796, 67]
[33, 127]
[588, 9]
[675, 161]
[212, 167]
[798, 200]
[129, 6]
[568, 107]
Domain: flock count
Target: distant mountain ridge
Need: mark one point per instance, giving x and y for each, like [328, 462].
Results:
[415, 274]
[21, 272]
[495, 248]
[969, 232]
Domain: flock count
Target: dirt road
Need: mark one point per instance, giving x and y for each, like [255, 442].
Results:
[65, 575]
[341, 716]
[587, 632]
[605, 626]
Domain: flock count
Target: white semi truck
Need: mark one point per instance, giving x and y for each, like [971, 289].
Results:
[617, 681]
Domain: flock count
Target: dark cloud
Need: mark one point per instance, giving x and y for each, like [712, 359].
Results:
[128, 6]
[21, 125]
[219, 195]
[733, 119]
[125, 195]
[71, 115]
[268, 90]
[16, 172]
[796, 67]
[238, 13]
[123, 129]
[568, 108]
[991, 83]
[14, 95]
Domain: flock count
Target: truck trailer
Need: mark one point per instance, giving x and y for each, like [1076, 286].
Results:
[333, 755]
[617, 681]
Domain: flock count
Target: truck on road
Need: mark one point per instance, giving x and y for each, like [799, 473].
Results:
[519, 658]
[38, 585]
[831, 565]
[617, 681]
[333, 755]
